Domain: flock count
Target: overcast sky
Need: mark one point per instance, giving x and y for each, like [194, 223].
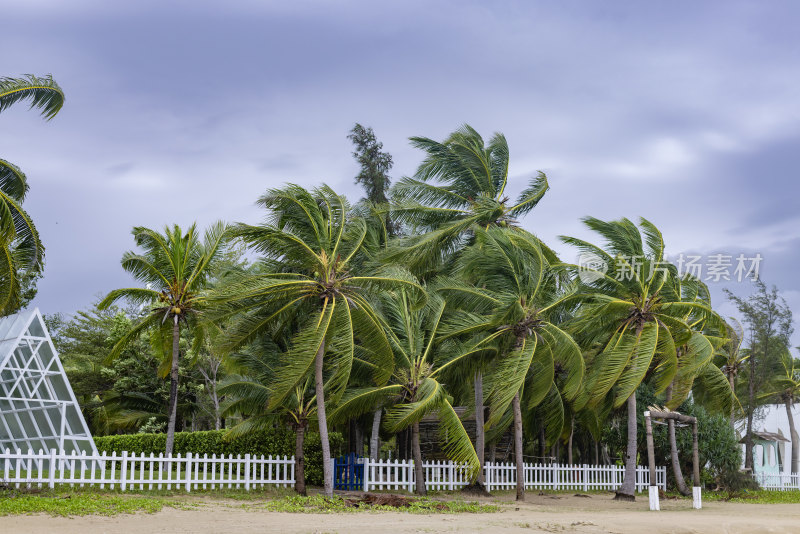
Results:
[683, 112]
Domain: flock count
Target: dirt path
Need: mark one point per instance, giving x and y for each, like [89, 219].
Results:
[597, 514]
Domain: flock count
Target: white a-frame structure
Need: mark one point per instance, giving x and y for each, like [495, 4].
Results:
[38, 409]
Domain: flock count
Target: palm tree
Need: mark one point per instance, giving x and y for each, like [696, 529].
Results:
[21, 251]
[696, 370]
[629, 321]
[414, 389]
[175, 268]
[251, 397]
[309, 245]
[731, 359]
[786, 388]
[513, 297]
[460, 186]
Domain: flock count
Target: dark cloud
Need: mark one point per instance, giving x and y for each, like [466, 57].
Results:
[683, 112]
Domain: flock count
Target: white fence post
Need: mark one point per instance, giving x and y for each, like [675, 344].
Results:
[584, 472]
[247, 472]
[365, 478]
[188, 471]
[451, 476]
[52, 482]
[123, 471]
[555, 476]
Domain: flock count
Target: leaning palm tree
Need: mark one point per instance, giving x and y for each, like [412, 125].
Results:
[696, 371]
[460, 186]
[250, 393]
[21, 251]
[731, 359]
[785, 387]
[511, 303]
[415, 388]
[629, 322]
[175, 267]
[307, 289]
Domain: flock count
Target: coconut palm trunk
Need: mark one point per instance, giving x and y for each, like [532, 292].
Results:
[480, 435]
[569, 443]
[680, 483]
[173, 387]
[626, 491]
[375, 437]
[323, 422]
[419, 472]
[299, 459]
[795, 438]
[518, 458]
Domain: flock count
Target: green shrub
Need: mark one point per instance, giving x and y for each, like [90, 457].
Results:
[278, 442]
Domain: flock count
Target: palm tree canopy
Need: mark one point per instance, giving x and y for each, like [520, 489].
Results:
[511, 302]
[461, 183]
[415, 388]
[252, 373]
[635, 311]
[310, 242]
[21, 250]
[174, 267]
[785, 386]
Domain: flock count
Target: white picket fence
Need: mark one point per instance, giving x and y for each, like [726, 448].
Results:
[579, 477]
[398, 475]
[129, 471]
[778, 482]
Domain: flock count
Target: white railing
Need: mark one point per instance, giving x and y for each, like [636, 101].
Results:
[398, 475]
[777, 481]
[129, 471]
[568, 477]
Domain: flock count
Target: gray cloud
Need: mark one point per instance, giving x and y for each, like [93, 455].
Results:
[685, 113]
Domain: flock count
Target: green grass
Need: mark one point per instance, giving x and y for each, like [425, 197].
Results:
[755, 497]
[77, 503]
[320, 505]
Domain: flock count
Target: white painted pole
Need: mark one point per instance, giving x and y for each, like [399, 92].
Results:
[697, 499]
[654, 503]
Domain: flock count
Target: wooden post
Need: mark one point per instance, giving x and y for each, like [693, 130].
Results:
[697, 501]
[651, 461]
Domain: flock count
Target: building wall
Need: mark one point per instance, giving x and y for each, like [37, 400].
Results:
[776, 421]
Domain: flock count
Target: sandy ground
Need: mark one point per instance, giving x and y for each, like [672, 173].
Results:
[596, 514]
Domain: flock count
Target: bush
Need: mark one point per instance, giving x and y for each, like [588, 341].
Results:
[278, 442]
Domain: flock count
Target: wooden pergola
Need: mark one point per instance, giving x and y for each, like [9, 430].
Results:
[685, 420]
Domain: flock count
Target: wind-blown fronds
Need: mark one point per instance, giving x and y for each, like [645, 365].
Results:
[459, 186]
[43, 92]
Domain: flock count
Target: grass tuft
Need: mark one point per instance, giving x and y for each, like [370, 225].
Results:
[317, 504]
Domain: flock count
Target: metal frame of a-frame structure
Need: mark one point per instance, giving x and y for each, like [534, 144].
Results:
[38, 409]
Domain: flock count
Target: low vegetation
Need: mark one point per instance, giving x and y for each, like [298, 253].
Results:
[57, 503]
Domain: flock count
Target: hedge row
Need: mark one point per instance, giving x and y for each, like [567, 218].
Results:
[275, 442]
